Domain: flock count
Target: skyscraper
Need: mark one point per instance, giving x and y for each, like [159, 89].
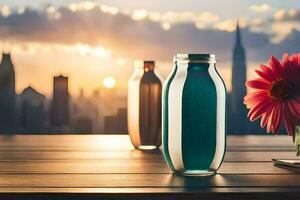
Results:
[238, 123]
[32, 111]
[59, 114]
[7, 95]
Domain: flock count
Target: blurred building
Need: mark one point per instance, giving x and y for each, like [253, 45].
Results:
[32, 115]
[83, 115]
[117, 123]
[59, 109]
[83, 125]
[97, 105]
[238, 122]
[109, 97]
[7, 95]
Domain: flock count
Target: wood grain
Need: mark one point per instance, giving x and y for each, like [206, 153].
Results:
[147, 180]
[126, 155]
[107, 166]
[132, 167]
[115, 142]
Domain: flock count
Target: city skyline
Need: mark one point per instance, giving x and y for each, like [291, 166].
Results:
[90, 40]
[103, 112]
[30, 111]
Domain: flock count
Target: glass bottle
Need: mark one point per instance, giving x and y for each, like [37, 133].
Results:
[194, 115]
[144, 106]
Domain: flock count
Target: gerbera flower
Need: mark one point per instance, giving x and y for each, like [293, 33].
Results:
[275, 95]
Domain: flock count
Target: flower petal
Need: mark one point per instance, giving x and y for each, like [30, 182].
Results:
[294, 108]
[277, 117]
[259, 84]
[265, 76]
[252, 98]
[270, 122]
[288, 122]
[297, 57]
[265, 117]
[259, 108]
[267, 70]
[285, 60]
[294, 60]
[275, 65]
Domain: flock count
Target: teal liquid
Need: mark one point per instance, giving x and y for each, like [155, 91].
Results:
[199, 102]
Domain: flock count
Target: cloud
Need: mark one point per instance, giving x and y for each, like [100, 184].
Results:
[288, 45]
[123, 36]
[282, 25]
[166, 19]
[279, 27]
[93, 42]
[287, 15]
[283, 30]
[230, 24]
[260, 8]
[33, 48]
[139, 14]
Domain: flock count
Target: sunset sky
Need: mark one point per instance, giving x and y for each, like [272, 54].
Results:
[89, 40]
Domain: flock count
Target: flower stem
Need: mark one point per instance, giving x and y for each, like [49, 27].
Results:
[297, 140]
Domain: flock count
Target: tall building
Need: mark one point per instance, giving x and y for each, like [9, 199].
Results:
[7, 95]
[32, 111]
[238, 123]
[59, 113]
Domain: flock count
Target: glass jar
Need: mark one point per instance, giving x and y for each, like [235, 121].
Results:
[144, 106]
[194, 115]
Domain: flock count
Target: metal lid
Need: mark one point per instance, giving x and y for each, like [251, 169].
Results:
[143, 64]
[201, 58]
[149, 65]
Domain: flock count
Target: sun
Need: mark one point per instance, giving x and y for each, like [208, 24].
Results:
[109, 82]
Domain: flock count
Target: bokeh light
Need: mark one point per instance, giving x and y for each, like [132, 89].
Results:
[109, 82]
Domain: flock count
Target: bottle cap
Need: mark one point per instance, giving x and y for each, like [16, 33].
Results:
[149, 65]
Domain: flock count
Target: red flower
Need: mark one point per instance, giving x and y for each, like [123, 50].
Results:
[276, 94]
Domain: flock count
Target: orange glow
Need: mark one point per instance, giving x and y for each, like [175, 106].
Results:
[109, 82]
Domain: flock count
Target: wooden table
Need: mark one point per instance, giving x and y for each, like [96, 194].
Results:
[107, 167]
